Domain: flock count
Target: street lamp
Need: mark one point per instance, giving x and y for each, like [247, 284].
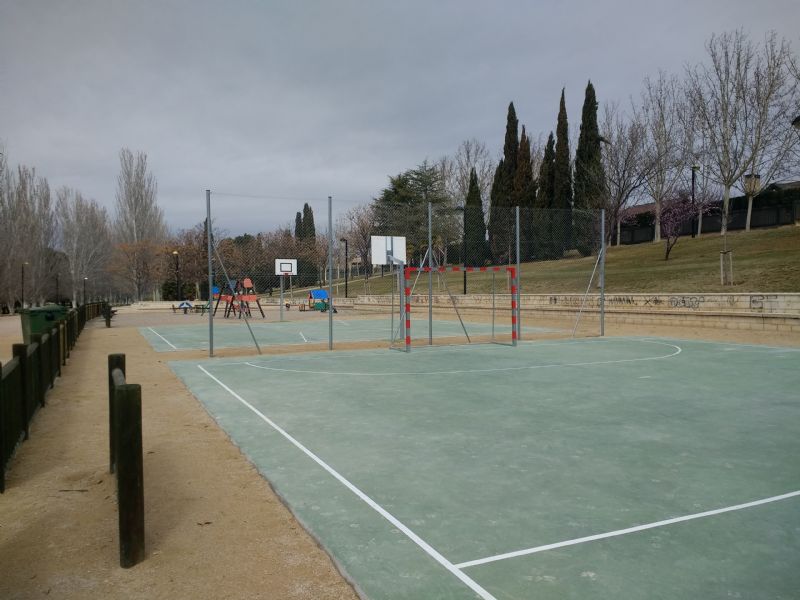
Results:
[346, 265]
[752, 185]
[177, 275]
[85, 279]
[22, 282]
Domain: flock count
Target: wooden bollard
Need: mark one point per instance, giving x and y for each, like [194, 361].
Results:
[115, 361]
[130, 485]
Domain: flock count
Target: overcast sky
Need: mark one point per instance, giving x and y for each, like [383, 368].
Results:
[302, 99]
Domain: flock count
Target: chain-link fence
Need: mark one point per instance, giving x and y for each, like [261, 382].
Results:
[463, 276]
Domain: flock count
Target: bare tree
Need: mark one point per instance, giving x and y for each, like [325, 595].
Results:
[361, 226]
[667, 148]
[625, 162]
[84, 238]
[139, 226]
[471, 153]
[744, 100]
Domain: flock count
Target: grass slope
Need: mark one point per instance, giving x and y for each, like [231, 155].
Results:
[766, 260]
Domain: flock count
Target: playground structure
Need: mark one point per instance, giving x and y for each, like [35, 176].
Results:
[317, 300]
[237, 297]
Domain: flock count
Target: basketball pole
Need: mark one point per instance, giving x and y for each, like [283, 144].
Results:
[210, 276]
[430, 274]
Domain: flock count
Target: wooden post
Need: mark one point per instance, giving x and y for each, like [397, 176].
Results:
[115, 361]
[130, 487]
[3, 426]
[21, 352]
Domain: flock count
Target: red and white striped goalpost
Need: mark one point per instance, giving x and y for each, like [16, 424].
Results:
[407, 271]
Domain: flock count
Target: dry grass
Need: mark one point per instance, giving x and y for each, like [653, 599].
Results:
[766, 260]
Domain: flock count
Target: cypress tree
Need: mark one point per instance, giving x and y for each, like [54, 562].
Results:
[589, 174]
[309, 231]
[542, 223]
[476, 251]
[496, 208]
[562, 184]
[525, 194]
[544, 192]
[510, 153]
[298, 226]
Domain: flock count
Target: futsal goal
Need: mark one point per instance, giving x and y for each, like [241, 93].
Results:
[493, 317]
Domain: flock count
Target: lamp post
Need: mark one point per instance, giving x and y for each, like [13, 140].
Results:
[346, 265]
[752, 185]
[22, 285]
[57, 300]
[85, 279]
[695, 169]
[177, 275]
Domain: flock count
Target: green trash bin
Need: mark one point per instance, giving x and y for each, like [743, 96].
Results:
[41, 319]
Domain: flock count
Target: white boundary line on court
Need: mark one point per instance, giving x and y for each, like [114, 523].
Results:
[600, 536]
[678, 350]
[163, 338]
[302, 336]
[474, 586]
[758, 346]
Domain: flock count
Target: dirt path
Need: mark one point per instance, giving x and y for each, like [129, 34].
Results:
[214, 528]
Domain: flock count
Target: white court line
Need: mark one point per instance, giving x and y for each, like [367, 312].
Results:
[369, 501]
[162, 337]
[302, 336]
[600, 536]
[494, 370]
[758, 346]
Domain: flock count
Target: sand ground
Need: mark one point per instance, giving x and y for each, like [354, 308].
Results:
[214, 527]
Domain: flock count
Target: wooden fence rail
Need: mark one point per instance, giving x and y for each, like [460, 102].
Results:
[26, 378]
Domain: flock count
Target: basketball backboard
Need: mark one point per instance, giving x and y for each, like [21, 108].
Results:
[386, 247]
[285, 266]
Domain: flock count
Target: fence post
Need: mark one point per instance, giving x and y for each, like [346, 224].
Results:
[115, 361]
[20, 351]
[130, 488]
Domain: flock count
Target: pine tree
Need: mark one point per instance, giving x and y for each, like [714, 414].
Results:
[589, 175]
[562, 184]
[476, 251]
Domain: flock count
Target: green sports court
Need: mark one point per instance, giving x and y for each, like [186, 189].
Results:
[622, 467]
[234, 333]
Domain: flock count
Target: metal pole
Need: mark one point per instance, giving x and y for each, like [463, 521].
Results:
[210, 276]
[519, 277]
[694, 175]
[430, 274]
[57, 300]
[330, 272]
[603, 271]
[282, 277]
[22, 293]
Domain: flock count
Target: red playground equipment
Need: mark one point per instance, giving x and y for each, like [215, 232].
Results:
[238, 297]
